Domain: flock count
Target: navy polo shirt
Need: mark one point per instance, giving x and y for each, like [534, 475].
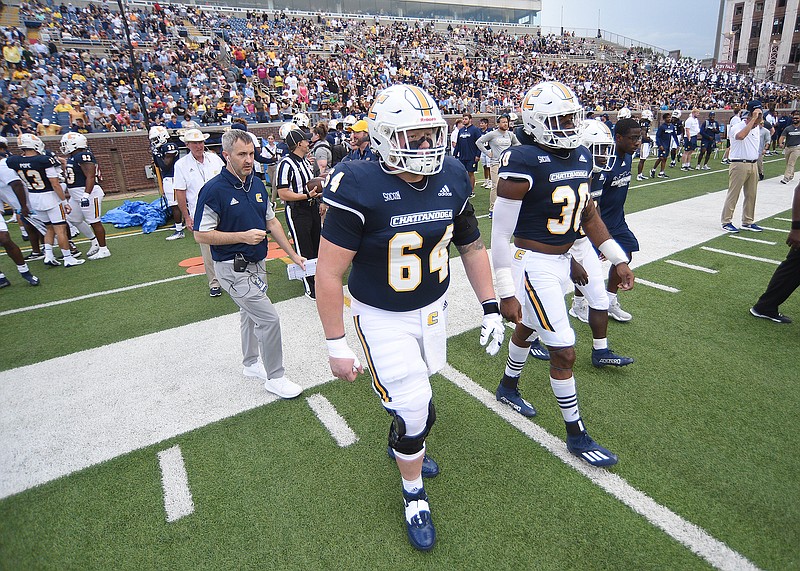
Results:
[227, 205]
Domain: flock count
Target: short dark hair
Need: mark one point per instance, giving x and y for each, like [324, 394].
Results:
[625, 126]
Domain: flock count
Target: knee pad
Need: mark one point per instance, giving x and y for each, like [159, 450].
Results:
[400, 441]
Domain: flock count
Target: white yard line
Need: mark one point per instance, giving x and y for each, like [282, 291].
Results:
[691, 267]
[332, 420]
[784, 219]
[177, 496]
[696, 539]
[714, 170]
[754, 240]
[784, 230]
[738, 255]
[655, 285]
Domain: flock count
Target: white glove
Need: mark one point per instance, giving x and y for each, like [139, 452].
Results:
[492, 330]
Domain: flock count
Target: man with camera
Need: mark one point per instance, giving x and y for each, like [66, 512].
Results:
[233, 216]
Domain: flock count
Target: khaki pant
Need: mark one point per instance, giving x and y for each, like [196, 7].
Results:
[741, 176]
[493, 170]
[792, 154]
[208, 262]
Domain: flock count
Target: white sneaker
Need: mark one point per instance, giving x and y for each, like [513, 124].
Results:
[177, 235]
[68, 263]
[255, 370]
[706, 168]
[283, 387]
[615, 311]
[100, 254]
[92, 251]
[641, 177]
[580, 309]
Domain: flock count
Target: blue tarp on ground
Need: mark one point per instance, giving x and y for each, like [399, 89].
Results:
[137, 213]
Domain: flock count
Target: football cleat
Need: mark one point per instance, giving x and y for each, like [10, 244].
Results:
[662, 174]
[539, 351]
[100, 254]
[73, 262]
[706, 168]
[283, 387]
[92, 251]
[580, 309]
[419, 524]
[606, 357]
[30, 278]
[641, 177]
[215, 292]
[652, 173]
[430, 469]
[512, 398]
[776, 317]
[54, 263]
[617, 313]
[75, 254]
[33, 256]
[671, 164]
[177, 235]
[4, 282]
[582, 446]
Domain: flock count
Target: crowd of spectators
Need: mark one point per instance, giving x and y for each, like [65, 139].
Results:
[204, 67]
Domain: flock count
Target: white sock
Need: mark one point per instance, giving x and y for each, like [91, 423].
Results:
[516, 359]
[412, 486]
[48, 252]
[612, 298]
[600, 343]
[23, 268]
[567, 397]
[2, 275]
[178, 227]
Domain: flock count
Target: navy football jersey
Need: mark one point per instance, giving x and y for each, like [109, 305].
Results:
[645, 125]
[615, 192]
[164, 150]
[596, 182]
[33, 170]
[401, 233]
[559, 189]
[75, 176]
[665, 134]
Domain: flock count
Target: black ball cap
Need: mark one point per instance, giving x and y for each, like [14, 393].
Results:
[294, 137]
[753, 105]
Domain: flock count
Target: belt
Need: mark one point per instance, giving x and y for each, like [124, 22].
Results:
[743, 161]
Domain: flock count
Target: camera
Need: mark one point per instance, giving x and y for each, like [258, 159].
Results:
[239, 263]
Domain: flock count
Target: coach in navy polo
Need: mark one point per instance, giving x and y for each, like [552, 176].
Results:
[233, 216]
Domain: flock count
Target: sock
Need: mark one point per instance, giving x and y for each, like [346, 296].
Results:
[2, 275]
[23, 268]
[612, 298]
[412, 486]
[567, 397]
[85, 229]
[48, 252]
[178, 227]
[600, 343]
[516, 360]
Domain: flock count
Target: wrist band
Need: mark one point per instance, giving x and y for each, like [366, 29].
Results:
[490, 306]
[613, 252]
[338, 348]
[795, 224]
[505, 283]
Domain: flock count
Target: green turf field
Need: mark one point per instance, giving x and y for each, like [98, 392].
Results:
[701, 422]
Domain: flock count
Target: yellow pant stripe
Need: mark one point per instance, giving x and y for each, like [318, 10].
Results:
[376, 383]
[538, 307]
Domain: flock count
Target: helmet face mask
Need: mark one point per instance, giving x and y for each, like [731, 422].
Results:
[159, 136]
[596, 137]
[71, 142]
[402, 119]
[551, 114]
[31, 142]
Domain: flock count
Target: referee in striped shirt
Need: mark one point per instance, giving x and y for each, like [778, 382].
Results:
[302, 207]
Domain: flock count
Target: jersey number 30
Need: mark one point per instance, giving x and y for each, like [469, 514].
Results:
[570, 217]
[405, 267]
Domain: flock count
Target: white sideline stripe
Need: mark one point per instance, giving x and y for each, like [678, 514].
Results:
[648, 283]
[756, 240]
[738, 255]
[177, 496]
[109, 237]
[702, 173]
[332, 420]
[784, 219]
[691, 267]
[696, 539]
[96, 294]
[776, 229]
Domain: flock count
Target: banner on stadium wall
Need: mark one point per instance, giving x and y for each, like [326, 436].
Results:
[726, 66]
[675, 54]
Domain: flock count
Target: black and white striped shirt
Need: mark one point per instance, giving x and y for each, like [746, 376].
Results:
[293, 173]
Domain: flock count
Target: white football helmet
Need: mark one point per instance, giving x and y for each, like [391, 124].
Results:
[398, 110]
[676, 114]
[159, 135]
[647, 115]
[596, 136]
[543, 109]
[301, 120]
[71, 142]
[28, 141]
[624, 113]
[285, 128]
[349, 121]
[333, 124]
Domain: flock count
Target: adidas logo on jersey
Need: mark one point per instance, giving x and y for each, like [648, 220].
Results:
[234, 202]
[582, 159]
[543, 159]
[445, 191]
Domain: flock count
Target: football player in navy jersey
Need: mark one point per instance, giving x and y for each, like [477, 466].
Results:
[666, 136]
[394, 220]
[85, 194]
[165, 153]
[627, 137]
[644, 148]
[40, 170]
[543, 201]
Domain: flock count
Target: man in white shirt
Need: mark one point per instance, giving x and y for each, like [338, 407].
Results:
[745, 141]
[192, 171]
[691, 128]
[734, 120]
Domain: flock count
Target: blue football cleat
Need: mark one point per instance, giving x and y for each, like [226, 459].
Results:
[582, 446]
[419, 524]
[512, 398]
[430, 469]
[30, 278]
[539, 351]
[4, 282]
[606, 358]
